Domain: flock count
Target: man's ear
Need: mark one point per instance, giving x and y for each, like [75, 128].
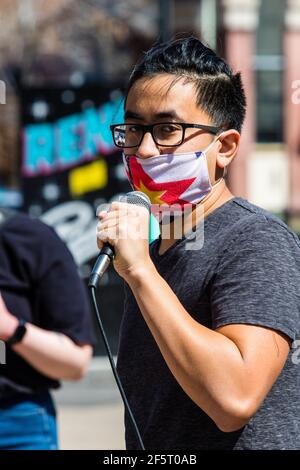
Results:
[228, 147]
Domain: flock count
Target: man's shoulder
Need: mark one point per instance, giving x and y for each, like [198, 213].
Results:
[250, 209]
[251, 222]
[252, 215]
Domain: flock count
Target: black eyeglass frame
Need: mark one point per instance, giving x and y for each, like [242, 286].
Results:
[149, 128]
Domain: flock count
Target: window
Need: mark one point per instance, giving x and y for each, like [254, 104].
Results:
[269, 67]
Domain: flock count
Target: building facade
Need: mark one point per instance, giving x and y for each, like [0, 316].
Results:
[50, 42]
[262, 39]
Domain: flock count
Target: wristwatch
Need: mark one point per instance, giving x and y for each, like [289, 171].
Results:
[18, 334]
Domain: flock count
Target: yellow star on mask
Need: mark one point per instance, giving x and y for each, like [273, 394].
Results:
[154, 196]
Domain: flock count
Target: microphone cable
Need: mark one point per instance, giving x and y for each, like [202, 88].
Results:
[114, 369]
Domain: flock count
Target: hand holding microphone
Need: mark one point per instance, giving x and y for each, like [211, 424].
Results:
[122, 235]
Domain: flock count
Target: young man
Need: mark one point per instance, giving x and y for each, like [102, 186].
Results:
[205, 351]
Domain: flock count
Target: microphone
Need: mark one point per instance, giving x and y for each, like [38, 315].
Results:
[107, 251]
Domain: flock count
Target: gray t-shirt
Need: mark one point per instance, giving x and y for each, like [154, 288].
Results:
[247, 271]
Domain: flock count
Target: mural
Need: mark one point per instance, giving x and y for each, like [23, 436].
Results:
[69, 165]
[69, 141]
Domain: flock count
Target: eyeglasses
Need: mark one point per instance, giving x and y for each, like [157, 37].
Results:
[165, 134]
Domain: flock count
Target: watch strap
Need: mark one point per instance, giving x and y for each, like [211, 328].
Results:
[18, 334]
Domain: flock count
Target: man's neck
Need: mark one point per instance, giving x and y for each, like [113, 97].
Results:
[216, 198]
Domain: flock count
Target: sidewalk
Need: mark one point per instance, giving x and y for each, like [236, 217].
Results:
[90, 412]
[91, 427]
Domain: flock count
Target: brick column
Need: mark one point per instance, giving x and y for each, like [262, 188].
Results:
[240, 22]
[291, 93]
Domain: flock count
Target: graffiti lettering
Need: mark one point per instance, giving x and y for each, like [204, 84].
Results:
[70, 141]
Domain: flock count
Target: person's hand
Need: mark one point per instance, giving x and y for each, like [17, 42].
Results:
[126, 228]
[8, 323]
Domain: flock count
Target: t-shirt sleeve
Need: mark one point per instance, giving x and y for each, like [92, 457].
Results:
[61, 302]
[258, 278]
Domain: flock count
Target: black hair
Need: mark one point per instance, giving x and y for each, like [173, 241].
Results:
[220, 92]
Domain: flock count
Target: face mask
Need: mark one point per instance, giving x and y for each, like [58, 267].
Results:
[174, 179]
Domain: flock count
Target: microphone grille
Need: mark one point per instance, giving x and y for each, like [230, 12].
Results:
[138, 198]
